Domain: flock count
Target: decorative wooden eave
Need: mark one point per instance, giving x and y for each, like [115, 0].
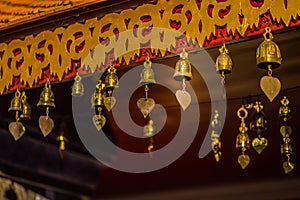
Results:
[58, 52]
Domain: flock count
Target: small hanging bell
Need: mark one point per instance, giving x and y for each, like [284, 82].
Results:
[284, 110]
[183, 69]
[46, 124]
[243, 141]
[259, 120]
[16, 128]
[223, 62]
[62, 139]
[147, 75]
[16, 102]
[268, 54]
[98, 96]
[26, 108]
[77, 88]
[46, 97]
[111, 79]
[149, 129]
[286, 148]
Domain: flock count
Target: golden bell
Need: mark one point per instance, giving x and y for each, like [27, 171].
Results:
[149, 129]
[224, 62]
[98, 96]
[259, 122]
[16, 102]
[284, 110]
[242, 141]
[268, 54]
[26, 108]
[111, 79]
[183, 69]
[147, 75]
[77, 88]
[286, 148]
[47, 97]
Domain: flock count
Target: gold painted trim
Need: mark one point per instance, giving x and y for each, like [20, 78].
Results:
[55, 50]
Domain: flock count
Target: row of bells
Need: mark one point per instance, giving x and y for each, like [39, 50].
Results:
[268, 56]
[19, 103]
[259, 124]
[111, 82]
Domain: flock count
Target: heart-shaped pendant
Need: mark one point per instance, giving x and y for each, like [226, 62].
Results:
[99, 121]
[270, 86]
[16, 129]
[288, 167]
[184, 98]
[244, 160]
[285, 131]
[46, 125]
[259, 144]
[109, 102]
[145, 105]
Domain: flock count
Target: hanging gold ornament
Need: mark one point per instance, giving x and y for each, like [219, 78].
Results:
[62, 140]
[147, 75]
[109, 101]
[16, 128]
[97, 103]
[111, 82]
[285, 110]
[111, 79]
[183, 72]
[242, 139]
[26, 109]
[149, 131]
[146, 104]
[268, 57]
[286, 131]
[223, 62]
[215, 137]
[259, 124]
[46, 124]
[77, 88]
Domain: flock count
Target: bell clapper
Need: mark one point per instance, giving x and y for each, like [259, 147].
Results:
[183, 85]
[223, 77]
[47, 112]
[146, 91]
[17, 116]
